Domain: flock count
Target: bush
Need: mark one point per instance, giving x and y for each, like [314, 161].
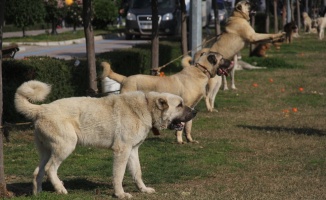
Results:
[140, 57]
[67, 80]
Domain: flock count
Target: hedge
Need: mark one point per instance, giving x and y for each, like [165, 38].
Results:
[69, 80]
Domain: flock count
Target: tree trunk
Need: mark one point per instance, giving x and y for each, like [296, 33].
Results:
[3, 186]
[275, 17]
[155, 37]
[24, 32]
[184, 38]
[298, 14]
[267, 11]
[54, 27]
[90, 47]
[284, 14]
[217, 19]
[253, 21]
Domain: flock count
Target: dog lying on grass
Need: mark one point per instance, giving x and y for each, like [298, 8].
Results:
[120, 122]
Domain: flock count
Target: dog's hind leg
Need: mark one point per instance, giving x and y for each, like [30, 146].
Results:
[235, 60]
[62, 144]
[135, 171]
[213, 88]
[40, 171]
[54, 163]
[225, 83]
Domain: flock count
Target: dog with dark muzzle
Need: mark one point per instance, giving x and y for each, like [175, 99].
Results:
[190, 83]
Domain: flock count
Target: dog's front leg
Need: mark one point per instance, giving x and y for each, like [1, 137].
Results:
[120, 159]
[135, 171]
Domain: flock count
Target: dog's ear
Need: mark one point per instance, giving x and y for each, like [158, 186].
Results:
[238, 7]
[162, 103]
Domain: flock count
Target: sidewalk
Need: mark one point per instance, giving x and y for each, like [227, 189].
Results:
[35, 32]
[55, 43]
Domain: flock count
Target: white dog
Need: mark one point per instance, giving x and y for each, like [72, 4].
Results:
[321, 25]
[120, 122]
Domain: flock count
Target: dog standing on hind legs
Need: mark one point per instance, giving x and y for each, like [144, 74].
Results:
[119, 122]
[238, 32]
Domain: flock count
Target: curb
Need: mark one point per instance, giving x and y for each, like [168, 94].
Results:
[68, 42]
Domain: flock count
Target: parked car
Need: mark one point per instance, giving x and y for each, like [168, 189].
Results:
[139, 18]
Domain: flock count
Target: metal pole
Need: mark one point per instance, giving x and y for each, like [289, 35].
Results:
[195, 26]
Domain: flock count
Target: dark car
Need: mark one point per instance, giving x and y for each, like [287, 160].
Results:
[139, 18]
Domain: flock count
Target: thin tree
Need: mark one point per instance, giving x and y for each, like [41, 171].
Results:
[267, 12]
[55, 11]
[155, 37]
[184, 38]
[275, 17]
[298, 14]
[24, 13]
[3, 186]
[217, 19]
[90, 47]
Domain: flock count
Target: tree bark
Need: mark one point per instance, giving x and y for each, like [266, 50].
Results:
[90, 47]
[298, 14]
[3, 186]
[184, 38]
[275, 17]
[267, 11]
[217, 19]
[155, 37]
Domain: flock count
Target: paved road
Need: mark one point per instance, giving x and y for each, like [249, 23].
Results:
[75, 50]
[70, 49]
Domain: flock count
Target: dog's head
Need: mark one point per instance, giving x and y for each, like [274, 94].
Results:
[244, 7]
[168, 111]
[305, 15]
[214, 64]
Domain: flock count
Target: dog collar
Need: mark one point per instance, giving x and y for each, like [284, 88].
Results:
[203, 69]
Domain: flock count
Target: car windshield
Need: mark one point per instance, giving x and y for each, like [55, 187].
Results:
[141, 4]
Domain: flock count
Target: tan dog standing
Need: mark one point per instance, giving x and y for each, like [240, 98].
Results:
[307, 22]
[190, 83]
[238, 32]
[119, 122]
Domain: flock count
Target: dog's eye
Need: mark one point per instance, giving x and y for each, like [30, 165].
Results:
[180, 105]
[212, 59]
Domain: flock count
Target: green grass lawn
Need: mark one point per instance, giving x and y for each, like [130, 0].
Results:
[254, 147]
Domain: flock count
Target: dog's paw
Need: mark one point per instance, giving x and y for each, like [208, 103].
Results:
[123, 195]
[148, 190]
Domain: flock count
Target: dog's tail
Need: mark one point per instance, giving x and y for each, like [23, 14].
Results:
[31, 91]
[108, 72]
[185, 62]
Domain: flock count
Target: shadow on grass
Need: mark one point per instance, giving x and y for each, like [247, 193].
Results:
[299, 131]
[26, 188]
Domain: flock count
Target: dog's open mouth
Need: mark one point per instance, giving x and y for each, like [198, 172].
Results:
[225, 69]
[176, 125]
